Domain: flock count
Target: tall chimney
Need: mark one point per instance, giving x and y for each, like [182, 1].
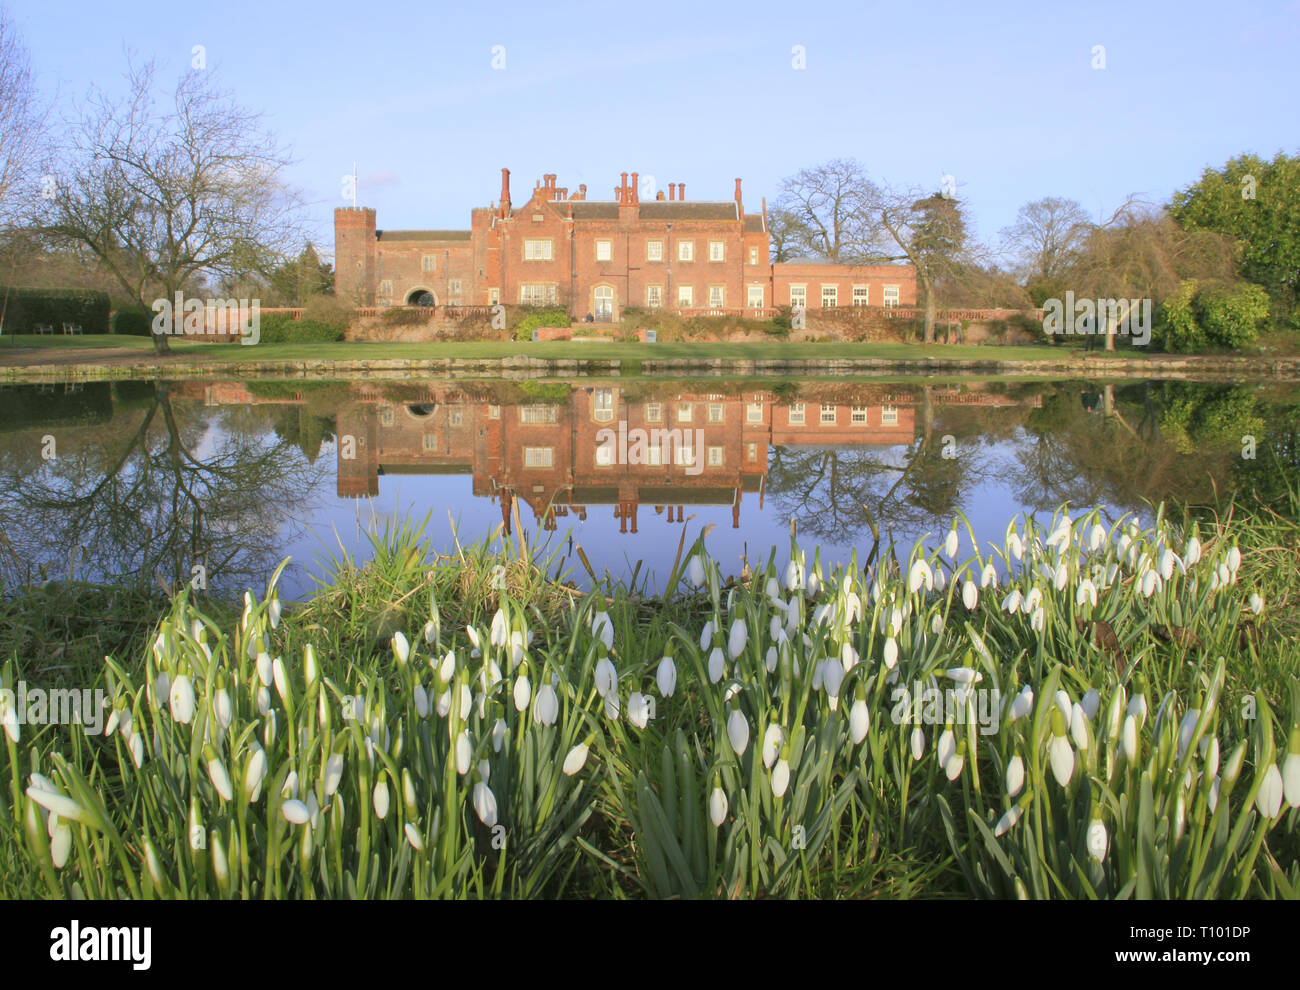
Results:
[672, 192]
[505, 192]
[622, 196]
[636, 189]
[681, 191]
[737, 190]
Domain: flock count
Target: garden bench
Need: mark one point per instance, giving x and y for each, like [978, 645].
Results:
[72, 328]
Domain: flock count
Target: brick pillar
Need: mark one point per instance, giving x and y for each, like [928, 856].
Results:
[356, 253]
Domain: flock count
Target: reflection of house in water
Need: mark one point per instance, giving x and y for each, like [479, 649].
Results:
[555, 458]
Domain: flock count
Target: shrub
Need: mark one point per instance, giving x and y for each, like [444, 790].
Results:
[27, 307]
[133, 320]
[282, 328]
[1231, 315]
[530, 319]
[1179, 329]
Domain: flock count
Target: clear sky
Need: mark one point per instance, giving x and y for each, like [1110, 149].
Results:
[1001, 96]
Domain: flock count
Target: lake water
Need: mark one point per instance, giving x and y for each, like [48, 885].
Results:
[222, 479]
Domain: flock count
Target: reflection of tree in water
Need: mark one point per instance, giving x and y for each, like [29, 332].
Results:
[142, 499]
[1114, 445]
[837, 494]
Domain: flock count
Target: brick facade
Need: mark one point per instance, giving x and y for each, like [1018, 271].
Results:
[599, 257]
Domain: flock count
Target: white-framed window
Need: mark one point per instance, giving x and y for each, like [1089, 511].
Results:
[654, 296]
[604, 454]
[685, 412]
[602, 405]
[539, 457]
[654, 250]
[494, 412]
[827, 415]
[716, 457]
[494, 297]
[538, 414]
[685, 250]
[715, 412]
[798, 297]
[429, 441]
[453, 292]
[889, 415]
[654, 412]
[717, 297]
[751, 451]
[685, 296]
[684, 451]
[455, 417]
[754, 297]
[754, 412]
[753, 256]
[796, 414]
[858, 415]
[537, 295]
[861, 297]
[717, 250]
[604, 250]
[830, 296]
[386, 287]
[429, 263]
[386, 416]
[891, 295]
[538, 250]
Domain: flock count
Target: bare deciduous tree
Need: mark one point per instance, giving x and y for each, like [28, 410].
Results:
[175, 197]
[1046, 238]
[22, 125]
[823, 210]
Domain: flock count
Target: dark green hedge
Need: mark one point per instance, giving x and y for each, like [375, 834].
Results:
[55, 307]
[281, 328]
[134, 320]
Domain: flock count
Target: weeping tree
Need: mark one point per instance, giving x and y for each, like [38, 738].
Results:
[175, 193]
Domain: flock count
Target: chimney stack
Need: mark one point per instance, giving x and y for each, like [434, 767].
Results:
[505, 192]
[737, 190]
[681, 191]
[672, 192]
[636, 188]
[622, 194]
[659, 196]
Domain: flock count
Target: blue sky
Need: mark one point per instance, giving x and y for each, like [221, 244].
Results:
[1003, 97]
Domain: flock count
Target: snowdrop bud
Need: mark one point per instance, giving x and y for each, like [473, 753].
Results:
[216, 773]
[989, 576]
[333, 774]
[575, 760]
[602, 627]
[832, 678]
[1255, 603]
[950, 544]
[1015, 545]
[638, 709]
[955, 763]
[1096, 537]
[1130, 738]
[1185, 730]
[546, 705]
[918, 743]
[264, 672]
[1060, 754]
[606, 677]
[666, 676]
[718, 807]
[499, 633]
[1065, 705]
[947, 746]
[1097, 841]
[380, 799]
[1233, 559]
[717, 665]
[1291, 770]
[1022, 704]
[401, 648]
[695, 571]
[1268, 800]
[780, 777]
[706, 634]
[920, 576]
[770, 659]
[738, 638]
[1210, 753]
[1008, 820]
[1079, 727]
[969, 594]
[421, 698]
[859, 721]
[281, 679]
[1061, 576]
[523, 692]
[1015, 775]
[737, 731]
[447, 669]
[891, 652]
[1091, 703]
[295, 812]
[1038, 621]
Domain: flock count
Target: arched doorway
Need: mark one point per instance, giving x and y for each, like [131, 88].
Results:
[420, 296]
[603, 303]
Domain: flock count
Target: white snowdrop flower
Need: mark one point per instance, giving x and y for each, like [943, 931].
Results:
[464, 752]
[891, 652]
[295, 812]
[918, 743]
[1011, 604]
[1149, 583]
[920, 576]
[772, 740]
[421, 698]
[895, 622]
[1064, 704]
[1015, 545]
[401, 647]
[638, 709]
[953, 766]
[485, 804]
[1192, 552]
[718, 807]
[695, 571]
[737, 731]
[964, 675]
[181, 699]
[1097, 840]
[1038, 621]
[216, 773]
[1015, 776]
[1008, 820]
[1130, 738]
[606, 677]
[499, 731]
[819, 674]
[832, 678]
[848, 657]
[717, 665]
[611, 707]
[770, 659]
[575, 760]
[1022, 704]
[947, 745]
[1291, 778]
[523, 692]
[773, 591]
[666, 677]
[1255, 604]
[738, 639]
[794, 578]
[1096, 537]
[859, 721]
[265, 674]
[1087, 593]
[546, 705]
[950, 544]
[774, 628]
[1031, 602]
[936, 623]
[1091, 703]
[706, 635]
[989, 576]
[1079, 727]
[940, 580]
[333, 774]
[969, 595]
[1233, 559]
[602, 627]
[780, 777]
[447, 668]
[1061, 576]
[1185, 730]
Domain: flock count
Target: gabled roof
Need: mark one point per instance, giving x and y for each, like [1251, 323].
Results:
[669, 210]
[754, 223]
[423, 235]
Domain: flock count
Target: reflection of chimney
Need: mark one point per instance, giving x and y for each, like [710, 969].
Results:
[505, 192]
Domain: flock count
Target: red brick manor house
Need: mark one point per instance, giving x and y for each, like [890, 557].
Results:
[600, 256]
